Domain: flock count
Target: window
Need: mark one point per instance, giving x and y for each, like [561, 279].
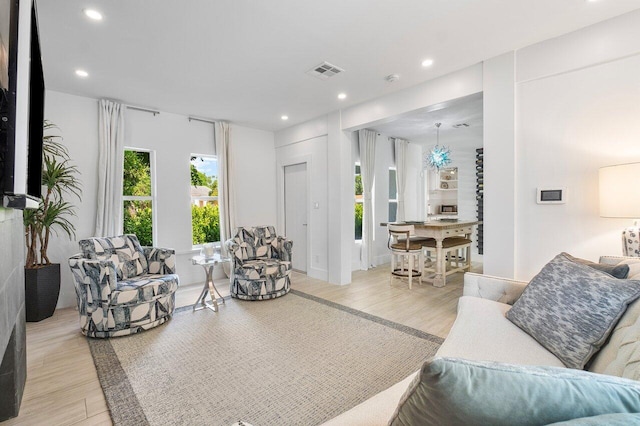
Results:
[137, 195]
[358, 202]
[393, 195]
[205, 213]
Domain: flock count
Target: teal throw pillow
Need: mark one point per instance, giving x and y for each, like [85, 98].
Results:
[451, 391]
[617, 419]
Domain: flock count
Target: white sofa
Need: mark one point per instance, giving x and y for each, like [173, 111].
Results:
[482, 333]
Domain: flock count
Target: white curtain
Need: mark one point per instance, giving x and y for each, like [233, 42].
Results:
[226, 201]
[110, 164]
[367, 141]
[401, 146]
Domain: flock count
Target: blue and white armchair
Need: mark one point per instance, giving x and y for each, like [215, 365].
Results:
[121, 287]
[261, 263]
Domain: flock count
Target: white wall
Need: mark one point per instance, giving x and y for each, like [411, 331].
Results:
[499, 166]
[254, 176]
[77, 119]
[313, 152]
[569, 125]
[173, 139]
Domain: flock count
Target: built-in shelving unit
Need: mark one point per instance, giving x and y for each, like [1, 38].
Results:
[448, 179]
[480, 196]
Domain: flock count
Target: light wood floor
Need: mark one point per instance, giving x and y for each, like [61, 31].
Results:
[62, 385]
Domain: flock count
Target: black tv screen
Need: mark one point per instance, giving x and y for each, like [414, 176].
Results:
[20, 178]
[36, 112]
[8, 47]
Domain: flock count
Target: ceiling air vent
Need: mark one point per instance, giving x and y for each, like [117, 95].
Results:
[461, 125]
[324, 71]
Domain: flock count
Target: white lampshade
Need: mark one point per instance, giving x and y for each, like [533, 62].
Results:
[620, 191]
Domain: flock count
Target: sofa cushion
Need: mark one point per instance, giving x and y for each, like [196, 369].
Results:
[375, 411]
[616, 419]
[620, 270]
[571, 309]
[125, 251]
[621, 354]
[634, 268]
[481, 332]
[145, 288]
[461, 392]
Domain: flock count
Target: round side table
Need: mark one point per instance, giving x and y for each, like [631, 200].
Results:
[208, 264]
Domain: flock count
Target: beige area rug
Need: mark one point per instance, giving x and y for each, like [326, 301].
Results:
[295, 360]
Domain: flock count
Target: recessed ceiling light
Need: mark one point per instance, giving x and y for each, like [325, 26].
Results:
[82, 73]
[427, 62]
[342, 96]
[285, 117]
[93, 14]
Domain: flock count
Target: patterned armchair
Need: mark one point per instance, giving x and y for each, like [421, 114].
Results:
[261, 263]
[121, 287]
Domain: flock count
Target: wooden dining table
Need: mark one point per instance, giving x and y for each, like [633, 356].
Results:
[439, 230]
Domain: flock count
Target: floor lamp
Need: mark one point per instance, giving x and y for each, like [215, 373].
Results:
[620, 198]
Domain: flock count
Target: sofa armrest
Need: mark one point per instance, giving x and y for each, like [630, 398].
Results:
[99, 275]
[284, 248]
[161, 260]
[614, 260]
[493, 288]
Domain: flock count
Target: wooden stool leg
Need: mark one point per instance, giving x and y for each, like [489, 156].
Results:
[410, 268]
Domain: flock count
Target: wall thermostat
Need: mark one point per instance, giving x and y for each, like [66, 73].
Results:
[551, 196]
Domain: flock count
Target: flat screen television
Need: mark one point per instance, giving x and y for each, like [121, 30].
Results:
[21, 105]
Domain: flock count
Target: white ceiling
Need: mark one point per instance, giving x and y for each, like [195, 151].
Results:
[420, 125]
[245, 61]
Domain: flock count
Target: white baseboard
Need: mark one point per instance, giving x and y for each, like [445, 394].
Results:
[319, 274]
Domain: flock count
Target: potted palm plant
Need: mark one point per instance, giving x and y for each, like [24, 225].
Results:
[59, 181]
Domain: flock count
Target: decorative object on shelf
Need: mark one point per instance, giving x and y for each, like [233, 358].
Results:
[439, 156]
[447, 177]
[620, 198]
[444, 185]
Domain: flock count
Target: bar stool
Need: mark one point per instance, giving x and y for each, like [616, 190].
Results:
[456, 253]
[408, 251]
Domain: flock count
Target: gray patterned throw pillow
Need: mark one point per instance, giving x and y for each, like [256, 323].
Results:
[570, 309]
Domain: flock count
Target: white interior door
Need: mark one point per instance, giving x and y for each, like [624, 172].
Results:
[295, 213]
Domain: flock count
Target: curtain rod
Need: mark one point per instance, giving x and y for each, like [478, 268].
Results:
[204, 120]
[152, 111]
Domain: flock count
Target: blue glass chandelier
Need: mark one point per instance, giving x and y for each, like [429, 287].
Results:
[440, 156]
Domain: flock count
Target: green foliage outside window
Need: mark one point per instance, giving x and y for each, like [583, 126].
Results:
[358, 185]
[205, 219]
[359, 206]
[358, 215]
[137, 174]
[138, 221]
[205, 223]
[137, 215]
